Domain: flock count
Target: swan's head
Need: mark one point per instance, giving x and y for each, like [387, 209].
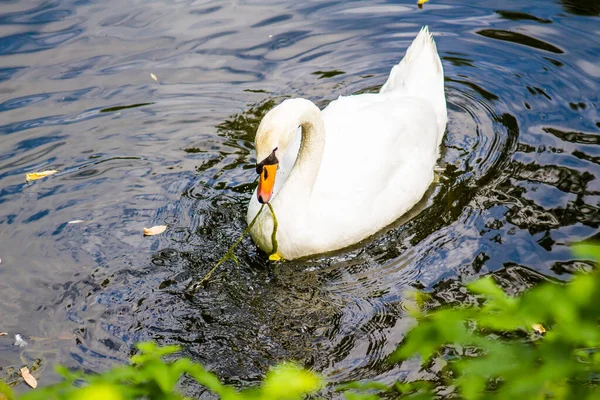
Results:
[275, 133]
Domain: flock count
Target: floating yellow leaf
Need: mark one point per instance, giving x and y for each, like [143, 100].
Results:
[31, 381]
[39, 175]
[153, 76]
[421, 2]
[3, 333]
[75, 221]
[155, 230]
[539, 328]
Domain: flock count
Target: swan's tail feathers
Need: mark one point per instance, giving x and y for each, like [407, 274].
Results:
[420, 74]
[420, 65]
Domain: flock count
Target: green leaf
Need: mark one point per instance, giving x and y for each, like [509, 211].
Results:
[363, 386]
[582, 289]
[471, 386]
[116, 375]
[67, 374]
[205, 378]
[290, 381]
[360, 396]
[488, 287]
[164, 377]
[5, 392]
[416, 390]
[100, 391]
[587, 250]
[150, 351]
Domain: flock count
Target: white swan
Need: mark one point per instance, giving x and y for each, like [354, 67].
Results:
[337, 176]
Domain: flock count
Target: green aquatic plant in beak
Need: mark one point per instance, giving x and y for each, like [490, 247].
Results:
[230, 255]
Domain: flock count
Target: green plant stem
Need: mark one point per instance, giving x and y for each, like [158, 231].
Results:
[228, 254]
[274, 234]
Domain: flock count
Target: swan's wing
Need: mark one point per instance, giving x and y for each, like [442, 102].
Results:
[378, 148]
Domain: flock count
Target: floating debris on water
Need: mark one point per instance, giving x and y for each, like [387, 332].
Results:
[31, 381]
[155, 230]
[33, 176]
[19, 342]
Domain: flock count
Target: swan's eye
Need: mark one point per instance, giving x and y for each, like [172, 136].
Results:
[271, 160]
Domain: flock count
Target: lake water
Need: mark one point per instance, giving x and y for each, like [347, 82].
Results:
[518, 184]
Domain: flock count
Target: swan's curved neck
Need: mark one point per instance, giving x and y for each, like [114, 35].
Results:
[306, 168]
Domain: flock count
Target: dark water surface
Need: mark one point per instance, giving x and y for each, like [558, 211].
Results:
[521, 162]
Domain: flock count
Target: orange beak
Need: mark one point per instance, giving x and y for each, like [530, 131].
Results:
[266, 183]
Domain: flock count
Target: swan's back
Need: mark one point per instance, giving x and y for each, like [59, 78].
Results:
[381, 148]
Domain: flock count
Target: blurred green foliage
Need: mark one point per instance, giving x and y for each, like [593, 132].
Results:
[496, 349]
[491, 349]
[151, 377]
